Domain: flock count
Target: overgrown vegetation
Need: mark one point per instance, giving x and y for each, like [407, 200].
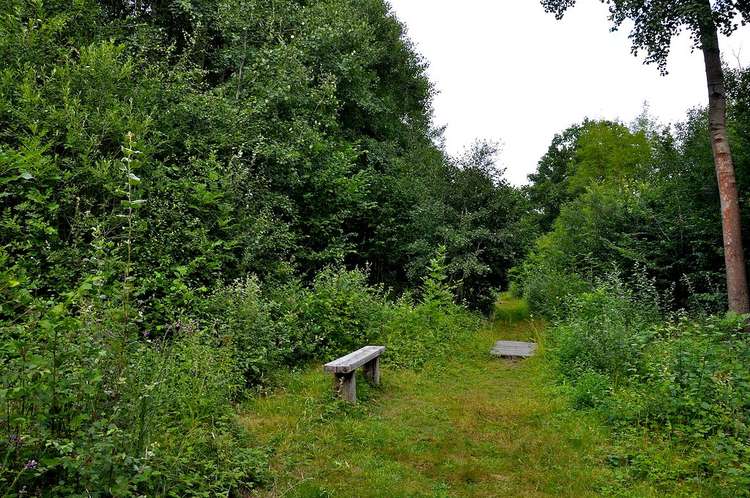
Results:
[88, 407]
[675, 388]
[197, 195]
[468, 425]
[631, 274]
[200, 197]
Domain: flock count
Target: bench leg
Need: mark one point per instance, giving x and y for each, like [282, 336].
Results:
[345, 385]
[372, 371]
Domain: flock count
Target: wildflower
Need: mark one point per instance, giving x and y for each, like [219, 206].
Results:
[31, 464]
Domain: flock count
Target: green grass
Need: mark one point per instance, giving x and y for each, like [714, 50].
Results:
[468, 425]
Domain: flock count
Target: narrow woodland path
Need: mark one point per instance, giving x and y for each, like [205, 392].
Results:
[472, 426]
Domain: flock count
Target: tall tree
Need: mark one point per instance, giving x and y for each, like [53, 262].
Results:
[655, 23]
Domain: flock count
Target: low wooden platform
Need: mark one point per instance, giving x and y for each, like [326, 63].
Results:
[513, 349]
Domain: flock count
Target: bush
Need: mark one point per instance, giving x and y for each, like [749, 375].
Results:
[84, 411]
[244, 322]
[684, 380]
[630, 228]
[605, 331]
[272, 326]
[547, 292]
[546, 281]
[592, 389]
[339, 314]
[414, 334]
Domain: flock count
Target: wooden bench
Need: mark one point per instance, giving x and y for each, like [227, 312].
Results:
[344, 369]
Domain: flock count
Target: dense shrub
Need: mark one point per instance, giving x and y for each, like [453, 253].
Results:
[629, 229]
[416, 333]
[245, 323]
[546, 289]
[258, 152]
[605, 332]
[682, 378]
[290, 325]
[87, 408]
[339, 313]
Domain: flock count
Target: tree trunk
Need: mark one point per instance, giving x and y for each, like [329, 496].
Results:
[734, 257]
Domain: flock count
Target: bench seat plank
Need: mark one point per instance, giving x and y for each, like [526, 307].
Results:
[352, 361]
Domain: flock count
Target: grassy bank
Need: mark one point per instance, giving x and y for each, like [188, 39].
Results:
[469, 425]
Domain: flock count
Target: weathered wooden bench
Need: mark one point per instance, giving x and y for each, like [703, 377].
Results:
[344, 370]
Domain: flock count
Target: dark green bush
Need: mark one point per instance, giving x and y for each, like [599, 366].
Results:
[339, 313]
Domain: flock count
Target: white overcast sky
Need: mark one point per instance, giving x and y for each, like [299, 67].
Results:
[505, 70]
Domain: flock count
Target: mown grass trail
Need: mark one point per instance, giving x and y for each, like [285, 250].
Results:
[469, 425]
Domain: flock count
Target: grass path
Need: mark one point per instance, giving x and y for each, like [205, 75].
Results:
[471, 426]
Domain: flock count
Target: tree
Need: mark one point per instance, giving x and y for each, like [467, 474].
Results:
[655, 23]
[548, 186]
[585, 154]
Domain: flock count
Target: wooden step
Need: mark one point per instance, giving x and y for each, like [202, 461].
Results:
[513, 349]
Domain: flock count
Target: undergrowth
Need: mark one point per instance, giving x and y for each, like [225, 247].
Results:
[675, 387]
[91, 404]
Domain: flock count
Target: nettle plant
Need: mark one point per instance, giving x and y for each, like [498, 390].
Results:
[130, 164]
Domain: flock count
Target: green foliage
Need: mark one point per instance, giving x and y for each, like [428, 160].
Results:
[249, 326]
[548, 185]
[608, 152]
[150, 152]
[605, 332]
[681, 379]
[663, 219]
[591, 389]
[270, 137]
[588, 154]
[81, 412]
[417, 333]
[339, 314]
[480, 219]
